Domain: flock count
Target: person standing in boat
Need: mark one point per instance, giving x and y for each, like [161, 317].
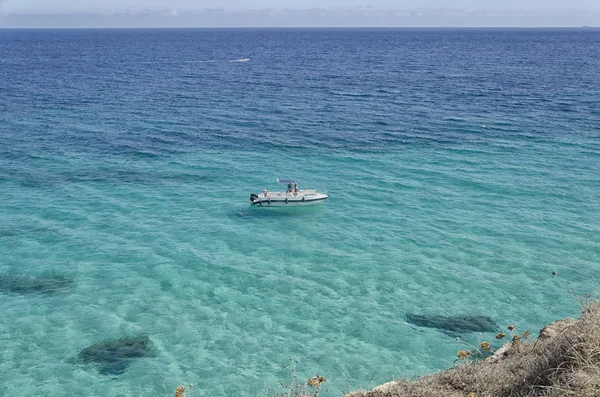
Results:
[295, 189]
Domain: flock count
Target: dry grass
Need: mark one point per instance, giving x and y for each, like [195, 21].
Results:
[296, 387]
[563, 362]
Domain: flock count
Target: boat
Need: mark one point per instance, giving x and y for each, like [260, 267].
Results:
[291, 197]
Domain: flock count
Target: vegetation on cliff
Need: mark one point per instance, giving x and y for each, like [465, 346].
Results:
[563, 361]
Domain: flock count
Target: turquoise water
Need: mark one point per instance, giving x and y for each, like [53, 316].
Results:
[458, 183]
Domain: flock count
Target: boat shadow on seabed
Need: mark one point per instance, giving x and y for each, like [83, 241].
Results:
[255, 212]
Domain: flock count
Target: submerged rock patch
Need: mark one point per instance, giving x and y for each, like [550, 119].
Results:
[114, 356]
[22, 284]
[454, 324]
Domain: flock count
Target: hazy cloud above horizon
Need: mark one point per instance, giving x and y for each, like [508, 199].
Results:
[309, 13]
[45, 6]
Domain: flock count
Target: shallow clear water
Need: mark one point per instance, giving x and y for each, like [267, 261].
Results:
[462, 168]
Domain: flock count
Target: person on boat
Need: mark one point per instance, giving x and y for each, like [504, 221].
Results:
[295, 189]
[265, 192]
[289, 188]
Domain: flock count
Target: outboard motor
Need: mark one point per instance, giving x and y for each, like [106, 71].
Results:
[253, 197]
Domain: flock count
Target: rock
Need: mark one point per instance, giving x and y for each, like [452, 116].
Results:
[454, 324]
[113, 357]
[21, 284]
[501, 353]
[386, 387]
[553, 329]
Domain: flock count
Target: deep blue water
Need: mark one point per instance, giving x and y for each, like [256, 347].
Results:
[462, 168]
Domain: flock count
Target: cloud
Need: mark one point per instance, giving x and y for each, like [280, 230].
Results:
[313, 17]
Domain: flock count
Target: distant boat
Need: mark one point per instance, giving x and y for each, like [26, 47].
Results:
[291, 197]
[241, 60]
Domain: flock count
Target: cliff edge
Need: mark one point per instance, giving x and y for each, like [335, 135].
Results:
[563, 361]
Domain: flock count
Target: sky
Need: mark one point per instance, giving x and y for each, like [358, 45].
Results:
[116, 5]
[199, 13]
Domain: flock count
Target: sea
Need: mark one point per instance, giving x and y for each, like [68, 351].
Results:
[463, 174]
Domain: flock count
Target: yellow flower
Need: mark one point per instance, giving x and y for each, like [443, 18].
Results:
[486, 346]
[180, 391]
[316, 381]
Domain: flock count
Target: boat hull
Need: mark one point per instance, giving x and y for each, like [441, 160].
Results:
[282, 200]
[290, 203]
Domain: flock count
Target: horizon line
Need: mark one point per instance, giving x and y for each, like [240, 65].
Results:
[303, 27]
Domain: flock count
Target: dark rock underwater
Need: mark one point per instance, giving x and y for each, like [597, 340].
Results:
[454, 325]
[114, 356]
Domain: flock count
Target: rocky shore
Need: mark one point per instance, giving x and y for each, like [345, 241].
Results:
[563, 361]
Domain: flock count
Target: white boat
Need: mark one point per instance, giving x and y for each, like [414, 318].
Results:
[291, 197]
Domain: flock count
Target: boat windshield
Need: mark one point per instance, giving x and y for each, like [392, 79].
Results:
[284, 181]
